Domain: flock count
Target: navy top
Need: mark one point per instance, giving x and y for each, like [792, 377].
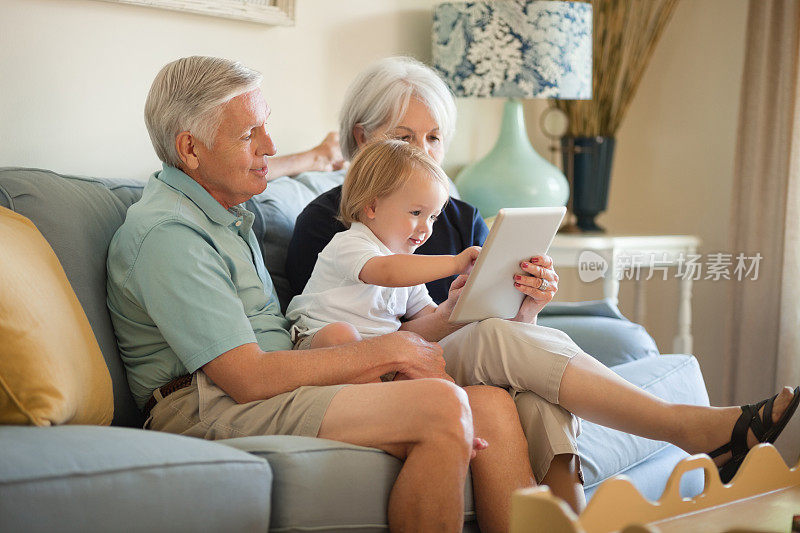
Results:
[457, 228]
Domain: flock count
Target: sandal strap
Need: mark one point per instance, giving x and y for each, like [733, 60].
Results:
[766, 417]
[739, 433]
[760, 423]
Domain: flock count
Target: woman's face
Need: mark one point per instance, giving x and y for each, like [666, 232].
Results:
[417, 127]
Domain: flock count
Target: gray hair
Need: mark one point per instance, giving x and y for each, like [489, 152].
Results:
[380, 94]
[190, 94]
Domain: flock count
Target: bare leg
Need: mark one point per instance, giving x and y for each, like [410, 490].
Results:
[592, 391]
[503, 467]
[564, 481]
[335, 334]
[425, 422]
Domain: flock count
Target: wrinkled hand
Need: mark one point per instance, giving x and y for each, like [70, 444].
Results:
[327, 155]
[537, 269]
[466, 260]
[425, 360]
[420, 358]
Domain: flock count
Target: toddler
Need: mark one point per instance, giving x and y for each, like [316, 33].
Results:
[367, 279]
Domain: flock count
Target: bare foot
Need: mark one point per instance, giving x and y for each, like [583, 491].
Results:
[778, 408]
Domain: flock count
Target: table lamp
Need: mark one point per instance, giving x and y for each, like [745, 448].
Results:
[514, 49]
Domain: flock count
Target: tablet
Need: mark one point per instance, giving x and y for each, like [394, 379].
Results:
[517, 235]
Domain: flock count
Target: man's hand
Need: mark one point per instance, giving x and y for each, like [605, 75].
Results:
[327, 155]
[420, 358]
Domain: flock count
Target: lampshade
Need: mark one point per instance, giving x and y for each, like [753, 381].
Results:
[515, 48]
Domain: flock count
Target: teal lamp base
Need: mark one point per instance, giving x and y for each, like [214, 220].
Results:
[512, 174]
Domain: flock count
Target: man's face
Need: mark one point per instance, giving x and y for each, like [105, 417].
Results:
[235, 168]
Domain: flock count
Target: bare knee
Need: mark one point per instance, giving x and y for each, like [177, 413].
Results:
[335, 334]
[444, 414]
[492, 408]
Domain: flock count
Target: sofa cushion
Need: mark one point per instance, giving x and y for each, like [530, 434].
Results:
[78, 216]
[88, 478]
[324, 485]
[610, 340]
[606, 452]
[598, 327]
[276, 210]
[51, 369]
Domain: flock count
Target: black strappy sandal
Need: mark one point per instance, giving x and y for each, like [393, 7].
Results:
[763, 428]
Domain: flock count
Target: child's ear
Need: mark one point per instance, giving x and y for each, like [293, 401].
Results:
[369, 209]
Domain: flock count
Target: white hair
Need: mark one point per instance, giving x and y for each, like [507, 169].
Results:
[190, 94]
[380, 94]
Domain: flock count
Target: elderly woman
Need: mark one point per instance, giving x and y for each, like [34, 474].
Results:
[403, 99]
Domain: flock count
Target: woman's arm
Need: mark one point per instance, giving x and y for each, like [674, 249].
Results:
[324, 157]
[407, 270]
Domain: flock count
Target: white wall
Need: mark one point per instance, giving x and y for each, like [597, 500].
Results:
[75, 74]
[673, 169]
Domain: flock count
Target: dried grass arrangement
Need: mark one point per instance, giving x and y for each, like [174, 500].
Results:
[625, 35]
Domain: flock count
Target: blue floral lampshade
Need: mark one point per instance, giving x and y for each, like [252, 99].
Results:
[515, 48]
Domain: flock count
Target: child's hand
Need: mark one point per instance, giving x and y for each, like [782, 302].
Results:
[466, 259]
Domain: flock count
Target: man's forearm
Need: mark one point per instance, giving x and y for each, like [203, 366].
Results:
[246, 373]
[405, 270]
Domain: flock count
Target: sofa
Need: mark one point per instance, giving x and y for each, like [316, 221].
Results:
[92, 478]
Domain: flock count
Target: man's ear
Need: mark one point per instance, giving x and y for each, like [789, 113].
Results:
[186, 146]
[360, 135]
[369, 209]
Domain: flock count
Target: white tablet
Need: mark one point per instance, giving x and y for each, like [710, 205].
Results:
[517, 235]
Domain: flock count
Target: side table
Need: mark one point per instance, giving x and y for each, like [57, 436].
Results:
[629, 256]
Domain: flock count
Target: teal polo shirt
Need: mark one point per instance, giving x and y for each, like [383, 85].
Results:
[187, 283]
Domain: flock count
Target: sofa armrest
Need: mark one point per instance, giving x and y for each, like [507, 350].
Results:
[601, 330]
[604, 307]
[91, 478]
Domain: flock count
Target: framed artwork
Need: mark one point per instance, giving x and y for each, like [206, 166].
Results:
[273, 12]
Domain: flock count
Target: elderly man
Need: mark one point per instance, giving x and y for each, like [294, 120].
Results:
[207, 350]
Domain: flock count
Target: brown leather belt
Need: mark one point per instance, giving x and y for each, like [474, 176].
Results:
[165, 390]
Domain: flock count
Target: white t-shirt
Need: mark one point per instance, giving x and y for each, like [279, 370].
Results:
[334, 293]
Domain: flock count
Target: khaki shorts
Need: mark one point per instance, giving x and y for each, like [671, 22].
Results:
[204, 410]
[528, 360]
[303, 342]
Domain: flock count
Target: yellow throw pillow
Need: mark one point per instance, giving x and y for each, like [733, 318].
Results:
[51, 368]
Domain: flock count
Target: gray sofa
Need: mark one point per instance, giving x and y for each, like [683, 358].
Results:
[86, 478]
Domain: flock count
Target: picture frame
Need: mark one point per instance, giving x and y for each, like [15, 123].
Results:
[271, 12]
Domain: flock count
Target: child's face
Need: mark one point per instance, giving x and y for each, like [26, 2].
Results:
[404, 219]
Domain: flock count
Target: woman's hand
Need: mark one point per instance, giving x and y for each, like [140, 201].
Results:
[539, 285]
